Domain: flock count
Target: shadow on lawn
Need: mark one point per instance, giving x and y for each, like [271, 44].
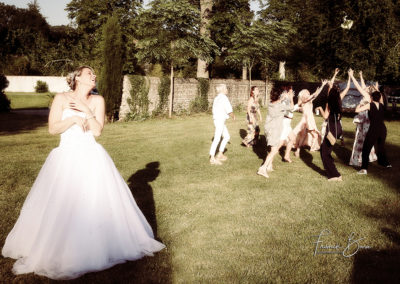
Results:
[139, 183]
[155, 269]
[14, 123]
[382, 265]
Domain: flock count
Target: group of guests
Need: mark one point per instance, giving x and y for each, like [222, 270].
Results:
[370, 131]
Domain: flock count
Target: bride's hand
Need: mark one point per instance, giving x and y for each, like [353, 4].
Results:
[77, 104]
[81, 122]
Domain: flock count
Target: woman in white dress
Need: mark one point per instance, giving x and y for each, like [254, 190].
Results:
[80, 215]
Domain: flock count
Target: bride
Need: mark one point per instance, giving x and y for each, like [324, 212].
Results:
[80, 215]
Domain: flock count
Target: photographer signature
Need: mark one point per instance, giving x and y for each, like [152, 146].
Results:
[352, 247]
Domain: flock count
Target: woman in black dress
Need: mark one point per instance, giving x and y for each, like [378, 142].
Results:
[376, 135]
[332, 114]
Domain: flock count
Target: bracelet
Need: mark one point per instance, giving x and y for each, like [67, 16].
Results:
[90, 117]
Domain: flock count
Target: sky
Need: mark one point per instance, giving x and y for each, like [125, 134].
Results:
[53, 10]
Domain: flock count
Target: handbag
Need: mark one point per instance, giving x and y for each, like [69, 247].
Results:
[329, 136]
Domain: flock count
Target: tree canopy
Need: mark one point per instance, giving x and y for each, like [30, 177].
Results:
[310, 35]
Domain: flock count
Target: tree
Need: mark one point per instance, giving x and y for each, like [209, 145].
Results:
[110, 82]
[89, 17]
[4, 101]
[226, 16]
[321, 43]
[169, 33]
[256, 43]
[205, 13]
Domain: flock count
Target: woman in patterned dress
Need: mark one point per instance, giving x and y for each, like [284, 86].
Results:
[362, 122]
[253, 109]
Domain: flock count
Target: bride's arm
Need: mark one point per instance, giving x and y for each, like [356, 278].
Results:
[56, 124]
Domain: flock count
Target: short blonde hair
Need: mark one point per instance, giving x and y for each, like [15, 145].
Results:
[220, 87]
[71, 77]
[303, 93]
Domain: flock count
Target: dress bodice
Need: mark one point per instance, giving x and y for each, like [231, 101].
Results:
[75, 134]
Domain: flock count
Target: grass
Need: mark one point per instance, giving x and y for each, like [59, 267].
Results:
[226, 224]
[29, 100]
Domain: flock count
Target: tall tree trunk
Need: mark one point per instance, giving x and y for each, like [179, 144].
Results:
[171, 91]
[205, 10]
[244, 72]
[250, 67]
[266, 96]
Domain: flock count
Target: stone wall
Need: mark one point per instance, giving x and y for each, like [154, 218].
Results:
[186, 90]
[28, 83]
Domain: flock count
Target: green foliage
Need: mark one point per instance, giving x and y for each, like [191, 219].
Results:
[156, 70]
[225, 18]
[169, 33]
[31, 47]
[163, 93]
[257, 43]
[110, 82]
[321, 43]
[4, 101]
[139, 98]
[200, 103]
[91, 16]
[41, 87]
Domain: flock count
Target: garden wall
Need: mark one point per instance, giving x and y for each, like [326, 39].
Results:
[186, 90]
[28, 83]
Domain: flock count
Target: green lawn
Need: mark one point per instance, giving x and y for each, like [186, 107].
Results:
[225, 224]
[29, 100]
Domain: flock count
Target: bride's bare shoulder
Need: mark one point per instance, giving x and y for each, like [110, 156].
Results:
[63, 96]
[97, 99]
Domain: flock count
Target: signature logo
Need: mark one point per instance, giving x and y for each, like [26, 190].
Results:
[352, 247]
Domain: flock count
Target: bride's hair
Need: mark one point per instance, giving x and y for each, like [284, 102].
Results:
[71, 77]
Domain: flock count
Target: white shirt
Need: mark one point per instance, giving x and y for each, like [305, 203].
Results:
[221, 107]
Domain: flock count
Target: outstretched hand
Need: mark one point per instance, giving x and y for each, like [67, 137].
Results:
[351, 72]
[337, 71]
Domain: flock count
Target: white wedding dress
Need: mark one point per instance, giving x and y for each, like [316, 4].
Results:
[80, 215]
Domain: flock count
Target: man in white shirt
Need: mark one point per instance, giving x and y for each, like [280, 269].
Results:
[222, 109]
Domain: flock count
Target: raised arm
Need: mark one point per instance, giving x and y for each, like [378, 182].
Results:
[324, 113]
[362, 80]
[344, 92]
[359, 88]
[334, 77]
[317, 91]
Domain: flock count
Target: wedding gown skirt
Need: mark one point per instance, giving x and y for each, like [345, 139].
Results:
[79, 216]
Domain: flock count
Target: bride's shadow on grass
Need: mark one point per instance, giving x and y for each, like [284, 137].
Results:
[156, 269]
[139, 184]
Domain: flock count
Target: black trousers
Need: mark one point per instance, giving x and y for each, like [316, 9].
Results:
[327, 159]
[326, 149]
[376, 136]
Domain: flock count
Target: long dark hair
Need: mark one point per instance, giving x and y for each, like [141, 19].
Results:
[334, 100]
[275, 94]
[376, 96]
[252, 91]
